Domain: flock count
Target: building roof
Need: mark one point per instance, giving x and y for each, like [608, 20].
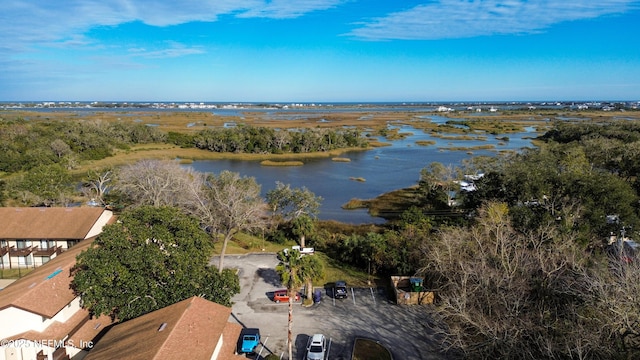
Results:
[47, 222]
[188, 329]
[47, 289]
[79, 330]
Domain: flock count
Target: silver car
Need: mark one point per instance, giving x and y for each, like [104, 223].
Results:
[316, 347]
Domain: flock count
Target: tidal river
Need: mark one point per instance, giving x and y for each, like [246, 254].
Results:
[383, 169]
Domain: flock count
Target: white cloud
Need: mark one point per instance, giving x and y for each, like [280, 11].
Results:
[282, 9]
[27, 23]
[449, 19]
[174, 49]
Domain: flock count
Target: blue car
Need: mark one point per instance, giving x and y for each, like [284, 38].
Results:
[249, 339]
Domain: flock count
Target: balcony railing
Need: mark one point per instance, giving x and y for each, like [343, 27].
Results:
[38, 251]
[13, 251]
[3, 251]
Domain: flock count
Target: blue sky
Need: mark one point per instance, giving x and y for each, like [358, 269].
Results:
[319, 50]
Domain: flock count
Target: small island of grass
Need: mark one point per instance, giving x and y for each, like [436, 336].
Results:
[340, 159]
[281, 163]
[425, 142]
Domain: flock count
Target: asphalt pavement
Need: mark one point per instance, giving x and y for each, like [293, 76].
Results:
[407, 331]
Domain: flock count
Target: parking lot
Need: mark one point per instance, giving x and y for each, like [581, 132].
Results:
[408, 331]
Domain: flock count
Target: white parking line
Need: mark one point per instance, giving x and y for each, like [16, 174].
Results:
[328, 349]
[353, 296]
[373, 297]
[263, 345]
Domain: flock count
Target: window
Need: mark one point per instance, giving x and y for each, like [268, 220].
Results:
[24, 261]
[45, 244]
[21, 244]
[45, 259]
[70, 243]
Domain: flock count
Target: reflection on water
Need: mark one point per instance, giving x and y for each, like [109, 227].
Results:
[384, 169]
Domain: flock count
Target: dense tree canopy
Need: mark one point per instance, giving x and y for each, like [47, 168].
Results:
[249, 139]
[27, 144]
[151, 258]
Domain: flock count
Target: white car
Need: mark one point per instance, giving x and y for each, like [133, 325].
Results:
[316, 347]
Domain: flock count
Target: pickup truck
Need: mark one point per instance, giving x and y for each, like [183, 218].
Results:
[303, 251]
[340, 290]
[249, 339]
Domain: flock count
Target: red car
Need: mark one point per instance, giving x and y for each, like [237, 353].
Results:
[282, 296]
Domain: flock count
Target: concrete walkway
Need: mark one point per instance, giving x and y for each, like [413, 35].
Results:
[5, 282]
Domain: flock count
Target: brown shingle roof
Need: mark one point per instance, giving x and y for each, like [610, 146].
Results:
[46, 290]
[192, 331]
[47, 223]
[81, 329]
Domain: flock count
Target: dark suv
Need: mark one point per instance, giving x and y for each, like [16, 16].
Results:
[340, 290]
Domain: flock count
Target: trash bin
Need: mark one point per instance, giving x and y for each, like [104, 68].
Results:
[416, 284]
[317, 295]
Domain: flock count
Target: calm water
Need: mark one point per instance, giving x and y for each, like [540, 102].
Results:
[384, 169]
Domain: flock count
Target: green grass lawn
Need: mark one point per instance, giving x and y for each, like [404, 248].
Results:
[244, 244]
[14, 273]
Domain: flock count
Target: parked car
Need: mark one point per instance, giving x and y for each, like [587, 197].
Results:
[249, 339]
[283, 296]
[340, 290]
[316, 347]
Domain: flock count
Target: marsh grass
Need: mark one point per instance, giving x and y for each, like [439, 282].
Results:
[189, 155]
[388, 205]
[468, 148]
[281, 163]
[375, 143]
[355, 204]
[460, 138]
[340, 159]
[425, 142]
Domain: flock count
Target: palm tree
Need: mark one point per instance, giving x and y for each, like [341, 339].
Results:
[311, 269]
[296, 269]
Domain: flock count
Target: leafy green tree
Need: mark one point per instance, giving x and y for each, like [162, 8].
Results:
[151, 258]
[3, 192]
[299, 206]
[48, 184]
[373, 250]
[437, 183]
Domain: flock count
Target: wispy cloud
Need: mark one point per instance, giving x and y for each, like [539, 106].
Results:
[44, 22]
[173, 49]
[449, 19]
[283, 9]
